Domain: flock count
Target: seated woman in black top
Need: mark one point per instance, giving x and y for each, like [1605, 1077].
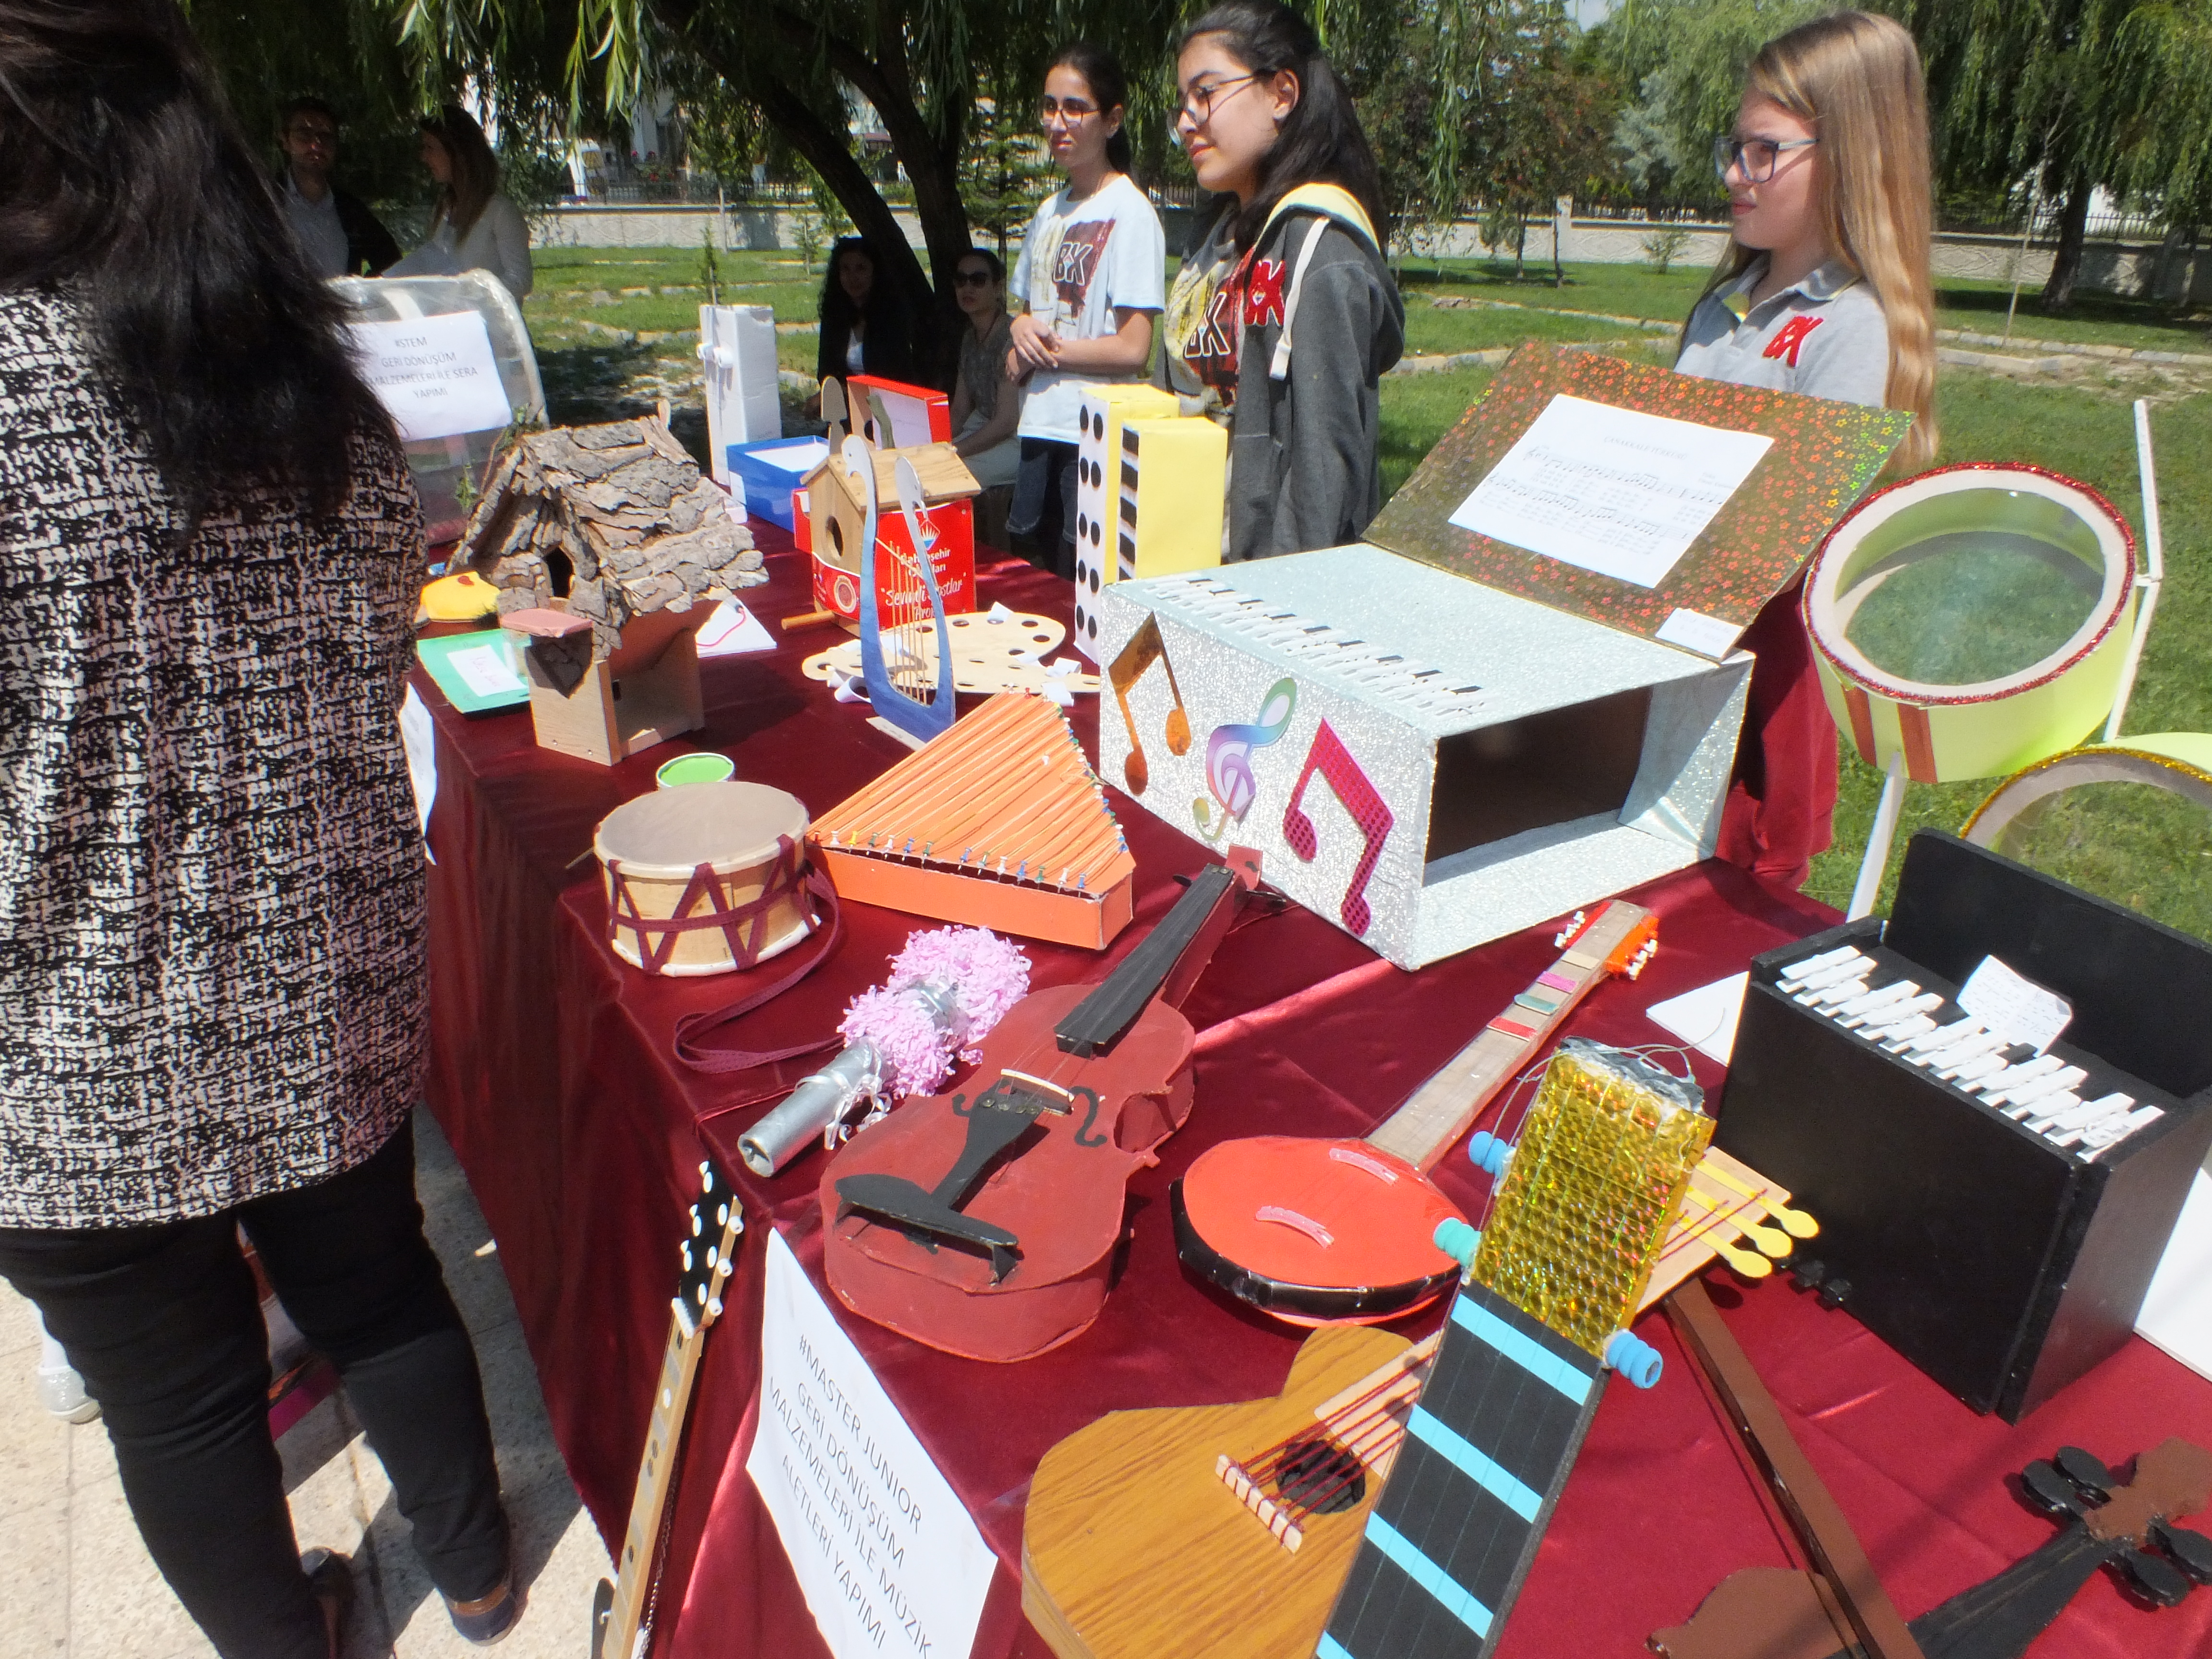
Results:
[865, 326]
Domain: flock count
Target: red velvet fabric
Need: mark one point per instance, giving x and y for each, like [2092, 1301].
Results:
[555, 1078]
[1782, 801]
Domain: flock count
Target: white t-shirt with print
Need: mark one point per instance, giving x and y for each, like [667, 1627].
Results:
[1080, 262]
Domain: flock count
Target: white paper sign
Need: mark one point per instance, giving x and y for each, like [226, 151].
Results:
[487, 670]
[419, 735]
[2177, 1310]
[889, 1559]
[732, 630]
[2018, 1010]
[1613, 491]
[435, 374]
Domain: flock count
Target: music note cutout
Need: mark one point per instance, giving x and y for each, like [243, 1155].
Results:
[1333, 761]
[1229, 759]
[1145, 648]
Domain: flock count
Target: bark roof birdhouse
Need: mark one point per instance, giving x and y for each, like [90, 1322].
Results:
[606, 523]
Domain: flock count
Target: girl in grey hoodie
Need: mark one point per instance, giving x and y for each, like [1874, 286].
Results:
[1284, 316]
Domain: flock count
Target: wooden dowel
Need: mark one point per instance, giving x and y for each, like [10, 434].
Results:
[1814, 1516]
[808, 618]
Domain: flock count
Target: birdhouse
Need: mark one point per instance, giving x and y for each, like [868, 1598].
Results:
[608, 549]
[837, 512]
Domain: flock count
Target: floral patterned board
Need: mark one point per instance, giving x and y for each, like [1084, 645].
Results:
[1824, 457]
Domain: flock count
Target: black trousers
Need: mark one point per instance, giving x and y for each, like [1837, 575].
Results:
[1044, 504]
[164, 1324]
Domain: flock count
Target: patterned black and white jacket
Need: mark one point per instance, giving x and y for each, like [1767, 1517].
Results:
[211, 887]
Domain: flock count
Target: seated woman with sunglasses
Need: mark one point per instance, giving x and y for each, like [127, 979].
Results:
[1290, 256]
[1825, 291]
[1091, 278]
[984, 407]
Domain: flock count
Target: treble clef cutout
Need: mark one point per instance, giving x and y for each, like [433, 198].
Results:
[1229, 763]
[1333, 761]
[1145, 648]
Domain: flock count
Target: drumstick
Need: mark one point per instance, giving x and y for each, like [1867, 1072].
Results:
[1796, 1222]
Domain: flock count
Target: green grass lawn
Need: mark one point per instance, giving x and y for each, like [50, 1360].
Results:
[2150, 852]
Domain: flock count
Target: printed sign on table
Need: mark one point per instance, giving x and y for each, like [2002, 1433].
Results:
[435, 374]
[888, 1557]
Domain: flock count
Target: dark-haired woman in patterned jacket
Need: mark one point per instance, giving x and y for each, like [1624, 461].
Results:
[212, 1008]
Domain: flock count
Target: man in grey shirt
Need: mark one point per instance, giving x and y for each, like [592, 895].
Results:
[1824, 337]
[337, 232]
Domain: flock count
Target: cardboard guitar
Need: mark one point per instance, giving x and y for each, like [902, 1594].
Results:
[622, 1612]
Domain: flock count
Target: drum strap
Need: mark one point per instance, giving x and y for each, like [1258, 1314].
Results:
[830, 924]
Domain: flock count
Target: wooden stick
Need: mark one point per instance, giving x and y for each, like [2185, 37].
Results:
[1814, 1516]
[808, 618]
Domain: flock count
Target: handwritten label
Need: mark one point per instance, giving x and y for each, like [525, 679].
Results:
[487, 670]
[2018, 1010]
[1693, 630]
[1613, 491]
[436, 375]
[887, 1557]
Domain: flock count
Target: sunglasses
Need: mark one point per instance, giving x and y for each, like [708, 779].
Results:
[971, 279]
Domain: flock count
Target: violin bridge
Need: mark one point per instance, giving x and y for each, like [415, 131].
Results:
[1270, 1513]
[1054, 1098]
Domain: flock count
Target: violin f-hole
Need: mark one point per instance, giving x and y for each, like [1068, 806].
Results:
[1145, 648]
[1369, 810]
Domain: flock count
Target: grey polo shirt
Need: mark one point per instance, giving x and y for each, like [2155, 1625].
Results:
[322, 237]
[1824, 337]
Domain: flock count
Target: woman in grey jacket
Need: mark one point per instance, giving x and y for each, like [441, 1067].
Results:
[1284, 317]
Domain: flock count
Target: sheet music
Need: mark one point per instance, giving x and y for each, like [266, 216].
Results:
[1613, 491]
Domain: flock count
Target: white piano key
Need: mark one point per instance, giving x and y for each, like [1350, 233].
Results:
[2027, 1071]
[2026, 1095]
[1800, 969]
[1899, 1014]
[1942, 1037]
[1894, 1037]
[1855, 1011]
[2111, 1132]
[1944, 1061]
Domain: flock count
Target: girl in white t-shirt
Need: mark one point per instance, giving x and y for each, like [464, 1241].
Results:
[1092, 278]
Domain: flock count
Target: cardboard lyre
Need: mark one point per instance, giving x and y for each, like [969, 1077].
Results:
[1436, 737]
[922, 719]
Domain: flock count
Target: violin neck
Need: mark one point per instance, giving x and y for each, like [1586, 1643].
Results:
[2001, 1617]
[1165, 963]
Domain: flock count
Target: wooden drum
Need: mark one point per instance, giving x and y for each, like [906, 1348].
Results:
[705, 878]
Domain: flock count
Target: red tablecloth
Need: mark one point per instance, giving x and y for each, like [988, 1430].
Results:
[554, 1077]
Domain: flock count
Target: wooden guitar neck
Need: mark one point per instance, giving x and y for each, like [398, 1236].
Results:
[1618, 939]
[622, 1613]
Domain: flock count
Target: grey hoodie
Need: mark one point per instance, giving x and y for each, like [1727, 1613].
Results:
[1302, 448]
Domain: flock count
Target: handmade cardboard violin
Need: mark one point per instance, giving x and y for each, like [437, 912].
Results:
[983, 1221]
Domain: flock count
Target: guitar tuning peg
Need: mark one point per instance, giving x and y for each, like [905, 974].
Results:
[2190, 1550]
[2156, 1579]
[2086, 1471]
[2050, 1491]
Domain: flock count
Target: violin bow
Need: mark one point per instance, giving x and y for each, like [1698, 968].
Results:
[1843, 1574]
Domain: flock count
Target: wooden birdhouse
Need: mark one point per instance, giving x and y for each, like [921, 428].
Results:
[609, 549]
[837, 511]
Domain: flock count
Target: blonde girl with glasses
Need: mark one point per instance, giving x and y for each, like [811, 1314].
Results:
[1091, 278]
[1825, 291]
[1283, 317]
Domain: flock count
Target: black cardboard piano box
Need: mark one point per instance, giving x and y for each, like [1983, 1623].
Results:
[2000, 1263]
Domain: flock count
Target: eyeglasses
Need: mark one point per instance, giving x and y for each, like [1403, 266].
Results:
[971, 279]
[1198, 103]
[1070, 110]
[1756, 158]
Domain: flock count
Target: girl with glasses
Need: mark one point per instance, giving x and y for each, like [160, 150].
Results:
[1824, 290]
[1091, 278]
[1283, 316]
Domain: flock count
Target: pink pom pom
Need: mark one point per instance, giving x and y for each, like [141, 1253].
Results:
[989, 975]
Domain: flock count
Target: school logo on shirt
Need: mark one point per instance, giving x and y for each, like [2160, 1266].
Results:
[1263, 295]
[1076, 261]
[1789, 337]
